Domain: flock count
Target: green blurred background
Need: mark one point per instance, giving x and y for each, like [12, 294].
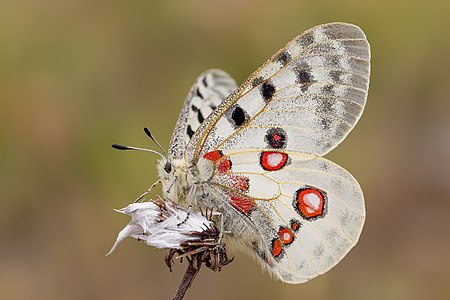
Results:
[76, 76]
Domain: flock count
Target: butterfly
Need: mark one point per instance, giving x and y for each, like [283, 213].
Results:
[254, 152]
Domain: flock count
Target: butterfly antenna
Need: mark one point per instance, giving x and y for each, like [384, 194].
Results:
[147, 132]
[123, 147]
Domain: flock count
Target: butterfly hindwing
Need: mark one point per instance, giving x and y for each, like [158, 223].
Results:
[208, 91]
[308, 211]
[313, 90]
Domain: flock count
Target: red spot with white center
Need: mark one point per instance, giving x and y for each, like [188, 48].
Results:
[310, 202]
[277, 248]
[284, 239]
[286, 236]
[242, 203]
[273, 161]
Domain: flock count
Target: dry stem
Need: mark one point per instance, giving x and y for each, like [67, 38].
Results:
[186, 282]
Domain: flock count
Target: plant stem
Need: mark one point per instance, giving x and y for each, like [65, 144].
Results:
[186, 282]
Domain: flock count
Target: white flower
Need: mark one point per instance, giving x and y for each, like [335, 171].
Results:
[162, 224]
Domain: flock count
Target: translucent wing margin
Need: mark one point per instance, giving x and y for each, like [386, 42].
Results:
[308, 211]
[208, 91]
[313, 91]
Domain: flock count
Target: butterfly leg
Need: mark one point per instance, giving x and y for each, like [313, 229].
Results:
[153, 185]
[171, 185]
[147, 191]
[222, 226]
[187, 216]
[141, 196]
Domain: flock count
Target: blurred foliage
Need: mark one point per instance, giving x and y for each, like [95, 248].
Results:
[76, 76]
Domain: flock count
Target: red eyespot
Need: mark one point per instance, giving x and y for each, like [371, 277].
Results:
[310, 202]
[273, 161]
[286, 236]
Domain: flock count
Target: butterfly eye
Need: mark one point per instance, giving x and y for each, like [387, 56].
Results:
[168, 167]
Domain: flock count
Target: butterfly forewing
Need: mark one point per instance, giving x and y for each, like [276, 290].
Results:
[208, 91]
[313, 91]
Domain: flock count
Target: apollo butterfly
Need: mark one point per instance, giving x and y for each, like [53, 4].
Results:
[254, 153]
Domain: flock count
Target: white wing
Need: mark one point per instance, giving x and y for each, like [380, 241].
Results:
[308, 211]
[208, 91]
[312, 92]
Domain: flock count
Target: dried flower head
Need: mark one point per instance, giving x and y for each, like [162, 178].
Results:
[162, 224]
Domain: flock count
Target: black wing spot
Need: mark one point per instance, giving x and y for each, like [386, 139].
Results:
[213, 107]
[238, 116]
[303, 75]
[306, 40]
[189, 131]
[205, 83]
[336, 75]
[200, 117]
[199, 94]
[257, 81]
[283, 58]
[267, 91]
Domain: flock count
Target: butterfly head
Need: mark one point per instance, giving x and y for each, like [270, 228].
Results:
[176, 177]
[165, 169]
